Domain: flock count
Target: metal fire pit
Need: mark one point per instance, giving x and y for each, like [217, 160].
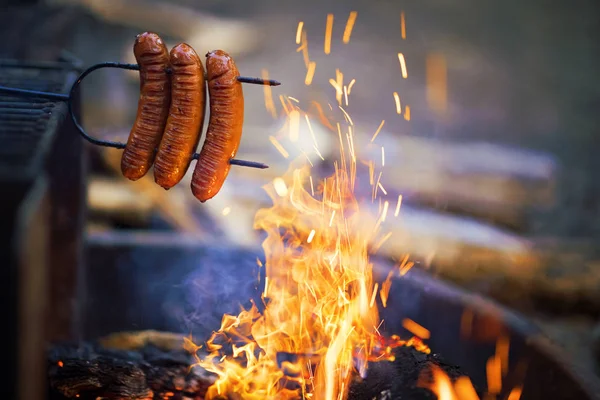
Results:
[169, 282]
[41, 220]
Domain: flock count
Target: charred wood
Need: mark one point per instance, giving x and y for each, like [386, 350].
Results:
[90, 371]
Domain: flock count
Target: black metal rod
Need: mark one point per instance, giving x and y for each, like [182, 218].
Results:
[7, 105]
[34, 93]
[97, 142]
[258, 81]
[251, 164]
[60, 65]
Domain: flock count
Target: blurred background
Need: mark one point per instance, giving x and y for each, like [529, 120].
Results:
[496, 161]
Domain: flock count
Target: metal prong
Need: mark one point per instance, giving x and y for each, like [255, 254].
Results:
[34, 93]
[258, 81]
[250, 164]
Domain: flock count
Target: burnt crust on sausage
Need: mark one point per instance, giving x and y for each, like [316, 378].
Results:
[225, 125]
[152, 56]
[186, 117]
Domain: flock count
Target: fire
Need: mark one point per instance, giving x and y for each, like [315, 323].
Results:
[319, 323]
[316, 327]
[462, 388]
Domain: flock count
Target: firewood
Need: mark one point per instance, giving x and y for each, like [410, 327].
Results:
[89, 371]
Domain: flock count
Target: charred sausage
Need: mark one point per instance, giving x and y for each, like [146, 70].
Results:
[186, 117]
[225, 126]
[153, 106]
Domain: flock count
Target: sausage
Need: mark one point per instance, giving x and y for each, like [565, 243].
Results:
[186, 117]
[225, 126]
[152, 56]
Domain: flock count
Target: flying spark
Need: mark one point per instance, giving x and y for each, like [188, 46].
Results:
[279, 147]
[299, 32]
[402, 25]
[402, 65]
[310, 73]
[328, 30]
[398, 104]
[377, 131]
[398, 204]
[269, 104]
[349, 26]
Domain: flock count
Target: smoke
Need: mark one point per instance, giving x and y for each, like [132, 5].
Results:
[225, 280]
[181, 286]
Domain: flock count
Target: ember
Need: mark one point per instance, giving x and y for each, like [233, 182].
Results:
[125, 367]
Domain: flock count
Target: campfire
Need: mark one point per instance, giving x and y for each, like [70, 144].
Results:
[316, 331]
[318, 321]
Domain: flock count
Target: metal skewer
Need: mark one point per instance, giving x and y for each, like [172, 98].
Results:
[68, 98]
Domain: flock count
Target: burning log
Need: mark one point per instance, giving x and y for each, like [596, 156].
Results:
[154, 365]
[90, 371]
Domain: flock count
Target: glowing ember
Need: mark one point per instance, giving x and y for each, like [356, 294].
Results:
[462, 388]
[310, 73]
[378, 129]
[398, 104]
[402, 65]
[328, 30]
[402, 25]
[270, 105]
[349, 26]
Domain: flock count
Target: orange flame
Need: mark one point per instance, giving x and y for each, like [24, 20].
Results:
[318, 326]
[317, 303]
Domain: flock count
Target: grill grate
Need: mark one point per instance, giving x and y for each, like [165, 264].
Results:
[27, 125]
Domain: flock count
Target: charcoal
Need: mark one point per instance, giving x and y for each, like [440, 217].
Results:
[398, 380]
[89, 371]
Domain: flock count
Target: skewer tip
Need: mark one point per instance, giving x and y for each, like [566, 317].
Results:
[250, 164]
[258, 81]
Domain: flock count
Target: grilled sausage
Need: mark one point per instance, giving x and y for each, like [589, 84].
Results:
[225, 126]
[153, 105]
[186, 117]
